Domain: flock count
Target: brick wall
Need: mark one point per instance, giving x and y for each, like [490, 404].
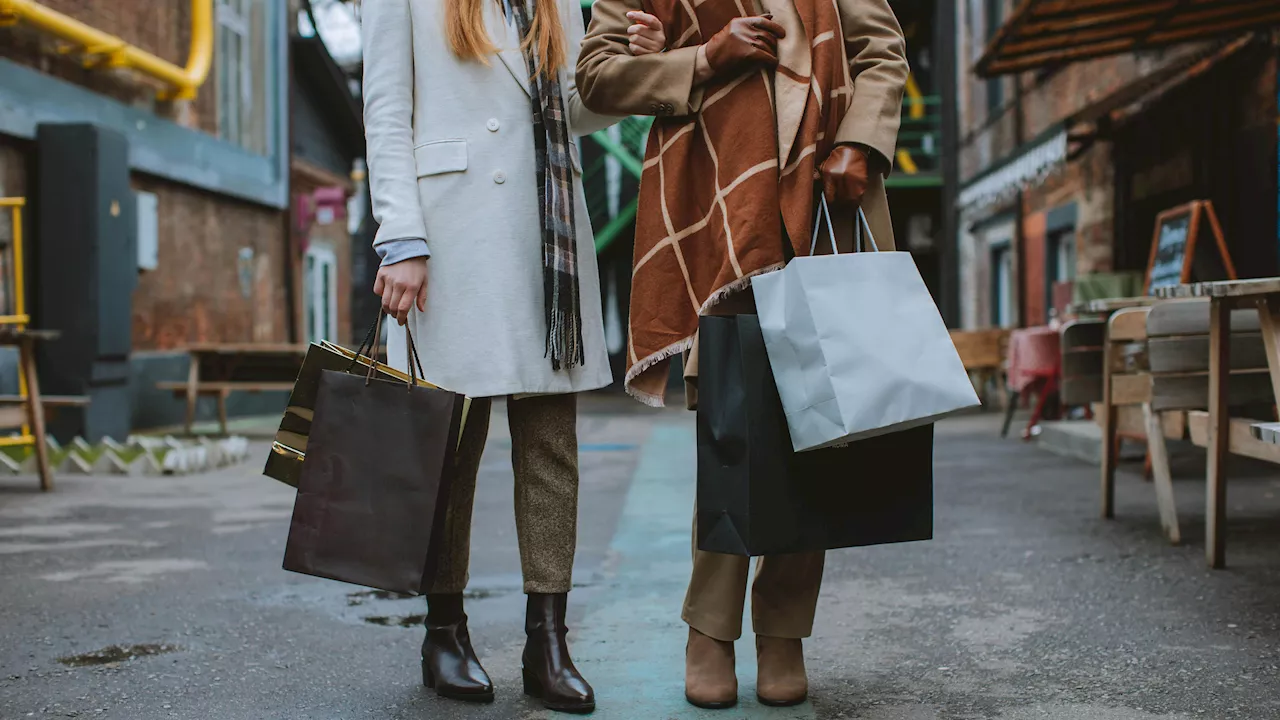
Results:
[161, 27]
[988, 136]
[204, 290]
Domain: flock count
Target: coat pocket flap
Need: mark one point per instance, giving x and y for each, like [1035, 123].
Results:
[441, 156]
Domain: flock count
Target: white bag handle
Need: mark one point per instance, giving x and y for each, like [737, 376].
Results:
[831, 231]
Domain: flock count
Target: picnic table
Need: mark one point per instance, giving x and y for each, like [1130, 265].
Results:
[27, 408]
[219, 369]
[1264, 295]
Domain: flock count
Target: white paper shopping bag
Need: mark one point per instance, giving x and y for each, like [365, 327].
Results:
[856, 345]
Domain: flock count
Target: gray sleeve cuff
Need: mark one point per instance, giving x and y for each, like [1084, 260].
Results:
[394, 251]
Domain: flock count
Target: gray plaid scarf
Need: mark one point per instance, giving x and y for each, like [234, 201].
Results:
[556, 202]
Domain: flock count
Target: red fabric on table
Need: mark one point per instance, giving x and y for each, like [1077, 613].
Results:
[1034, 354]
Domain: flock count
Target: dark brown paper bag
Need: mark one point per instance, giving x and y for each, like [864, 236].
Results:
[284, 463]
[374, 481]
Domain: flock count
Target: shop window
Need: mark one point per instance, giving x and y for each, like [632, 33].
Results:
[1002, 297]
[1060, 268]
[1062, 256]
[320, 286]
[245, 72]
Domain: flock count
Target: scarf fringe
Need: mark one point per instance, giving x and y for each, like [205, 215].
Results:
[736, 286]
[680, 346]
[670, 351]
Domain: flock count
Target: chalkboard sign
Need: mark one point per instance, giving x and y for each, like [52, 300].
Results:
[1177, 258]
[1171, 253]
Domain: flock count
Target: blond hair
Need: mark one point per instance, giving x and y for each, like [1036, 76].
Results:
[464, 26]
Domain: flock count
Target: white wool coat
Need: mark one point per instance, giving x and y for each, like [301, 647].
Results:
[451, 160]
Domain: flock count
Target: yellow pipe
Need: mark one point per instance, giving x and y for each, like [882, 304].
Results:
[915, 98]
[182, 82]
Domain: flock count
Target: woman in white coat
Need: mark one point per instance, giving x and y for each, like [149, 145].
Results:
[488, 257]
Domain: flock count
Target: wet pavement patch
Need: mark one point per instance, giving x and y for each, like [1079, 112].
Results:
[356, 599]
[359, 598]
[404, 621]
[116, 654]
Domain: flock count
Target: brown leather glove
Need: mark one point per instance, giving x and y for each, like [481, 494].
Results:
[744, 42]
[845, 175]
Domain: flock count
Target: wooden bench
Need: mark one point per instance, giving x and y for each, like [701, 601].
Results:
[217, 370]
[1158, 359]
[1220, 432]
[982, 352]
[13, 412]
[1266, 432]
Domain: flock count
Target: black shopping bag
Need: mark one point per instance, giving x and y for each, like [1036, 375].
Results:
[757, 496]
[375, 479]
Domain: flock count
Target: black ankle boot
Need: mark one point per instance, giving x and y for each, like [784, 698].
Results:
[548, 670]
[449, 664]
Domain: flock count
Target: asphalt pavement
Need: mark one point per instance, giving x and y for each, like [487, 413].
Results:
[163, 597]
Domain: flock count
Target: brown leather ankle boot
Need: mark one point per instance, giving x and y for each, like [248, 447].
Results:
[449, 663]
[781, 680]
[709, 678]
[549, 674]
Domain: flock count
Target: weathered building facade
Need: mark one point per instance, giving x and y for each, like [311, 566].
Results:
[1062, 170]
[219, 196]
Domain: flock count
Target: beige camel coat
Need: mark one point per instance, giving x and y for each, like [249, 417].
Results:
[612, 81]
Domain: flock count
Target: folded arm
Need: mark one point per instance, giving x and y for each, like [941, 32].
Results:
[582, 120]
[613, 81]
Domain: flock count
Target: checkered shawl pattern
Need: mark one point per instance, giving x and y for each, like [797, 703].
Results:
[713, 188]
[555, 198]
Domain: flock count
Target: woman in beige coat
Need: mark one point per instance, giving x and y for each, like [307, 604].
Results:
[471, 114]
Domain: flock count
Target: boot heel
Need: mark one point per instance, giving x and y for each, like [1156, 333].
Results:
[428, 678]
[532, 687]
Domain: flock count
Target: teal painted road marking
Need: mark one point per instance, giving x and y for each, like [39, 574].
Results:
[631, 643]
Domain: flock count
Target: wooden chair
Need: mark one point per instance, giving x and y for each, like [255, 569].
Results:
[1082, 351]
[983, 354]
[1125, 410]
[1158, 359]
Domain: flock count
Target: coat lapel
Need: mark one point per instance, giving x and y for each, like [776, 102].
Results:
[504, 36]
[791, 81]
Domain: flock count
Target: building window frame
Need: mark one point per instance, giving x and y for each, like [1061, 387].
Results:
[320, 289]
[1003, 297]
[246, 63]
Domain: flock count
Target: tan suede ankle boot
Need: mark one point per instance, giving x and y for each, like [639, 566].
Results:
[781, 680]
[709, 678]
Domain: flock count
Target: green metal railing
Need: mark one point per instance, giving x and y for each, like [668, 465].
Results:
[625, 147]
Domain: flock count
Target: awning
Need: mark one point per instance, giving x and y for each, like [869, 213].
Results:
[1048, 33]
[1029, 167]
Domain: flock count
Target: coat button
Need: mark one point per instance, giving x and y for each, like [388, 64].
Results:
[493, 124]
[499, 177]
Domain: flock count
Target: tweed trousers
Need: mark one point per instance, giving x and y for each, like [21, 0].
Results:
[544, 455]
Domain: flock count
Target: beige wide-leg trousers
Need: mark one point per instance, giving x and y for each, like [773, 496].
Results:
[784, 596]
